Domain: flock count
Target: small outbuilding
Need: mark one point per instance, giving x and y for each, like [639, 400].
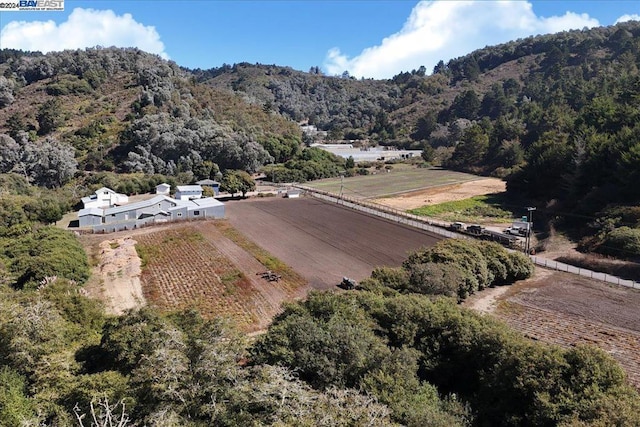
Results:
[294, 193]
[188, 192]
[163, 189]
[214, 185]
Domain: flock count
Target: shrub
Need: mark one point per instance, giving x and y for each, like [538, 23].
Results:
[45, 252]
[435, 279]
[471, 265]
[622, 242]
[395, 278]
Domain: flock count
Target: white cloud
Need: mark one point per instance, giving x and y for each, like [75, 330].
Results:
[83, 28]
[442, 30]
[625, 18]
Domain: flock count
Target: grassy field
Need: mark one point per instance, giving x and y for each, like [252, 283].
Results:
[480, 209]
[401, 179]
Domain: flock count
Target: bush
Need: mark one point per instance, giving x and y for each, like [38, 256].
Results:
[395, 278]
[471, 265]
[15, 406]
[622, 242]
[435, 348]
[45, 252]
[435, 279]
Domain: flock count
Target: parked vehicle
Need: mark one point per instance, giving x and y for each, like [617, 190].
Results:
[457, 226]
[514, 231]
[475, 229]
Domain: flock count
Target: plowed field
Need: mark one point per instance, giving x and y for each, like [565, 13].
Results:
[323, 241]
[194, 265]
[567, 310]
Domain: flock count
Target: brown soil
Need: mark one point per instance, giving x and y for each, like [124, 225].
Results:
[446, 193]
[270, 295]
[568, 310]
[116, 278]
[322, 241]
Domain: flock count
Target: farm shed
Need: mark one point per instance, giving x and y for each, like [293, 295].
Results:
[204, 208]
[157, 209]
[104, 197]
[163, 189]
[293, 194]
[89, 217]
[188, 192]
[214, 185]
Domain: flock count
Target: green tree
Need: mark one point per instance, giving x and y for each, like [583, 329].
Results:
[45, 210]
[49, 116]
[428, 152]
[350, 163]
[466, 105]
[472, 148]
[236, 180]
[425, 126]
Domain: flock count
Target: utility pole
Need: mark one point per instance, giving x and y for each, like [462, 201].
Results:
[529, 227]
[341, 184]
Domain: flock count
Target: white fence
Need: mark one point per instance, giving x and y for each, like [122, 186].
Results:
[559, 266]
[438, 227]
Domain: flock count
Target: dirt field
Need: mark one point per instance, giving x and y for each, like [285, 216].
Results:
[322, 241]
[445, 193]
[195, 264]
[115, 278]
[567, 310]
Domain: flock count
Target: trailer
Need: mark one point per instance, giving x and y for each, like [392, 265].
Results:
[502, 238]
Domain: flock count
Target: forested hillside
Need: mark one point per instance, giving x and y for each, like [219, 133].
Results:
[125, 110]
[555, 115]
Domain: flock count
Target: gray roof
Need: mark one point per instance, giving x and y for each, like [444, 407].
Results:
[207, 202]
[139, 205]
[207, 182]
[90, 211]
[186, 188]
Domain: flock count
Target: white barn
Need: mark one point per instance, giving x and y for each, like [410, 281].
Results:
[157, 209]
[188, 192]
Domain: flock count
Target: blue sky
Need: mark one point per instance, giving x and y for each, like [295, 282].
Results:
[368, 38]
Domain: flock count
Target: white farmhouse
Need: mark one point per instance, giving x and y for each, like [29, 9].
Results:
[188, 192]
[103, 198]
